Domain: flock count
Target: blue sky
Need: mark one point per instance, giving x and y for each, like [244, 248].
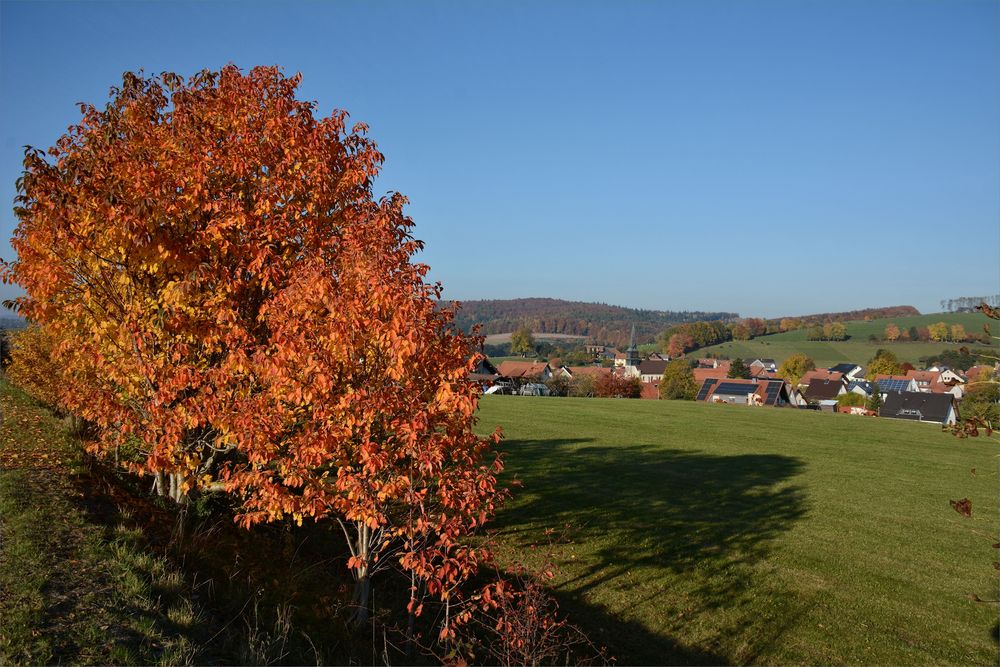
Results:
[768, 158]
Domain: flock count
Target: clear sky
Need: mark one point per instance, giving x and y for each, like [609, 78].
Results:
[767, 158]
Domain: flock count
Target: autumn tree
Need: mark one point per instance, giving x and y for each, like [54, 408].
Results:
[938, 331]
[678, 344]
[834, 331]
[892, 332]
[794, 367]
[226, 296]
[790, 324]
[612, 385]
[883, 363]
[678, 381]
[522, 342]
[32, 367]
[958, 333]
[741, 331]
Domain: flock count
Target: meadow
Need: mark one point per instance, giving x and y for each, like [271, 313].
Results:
[857, 348]
[705, 534]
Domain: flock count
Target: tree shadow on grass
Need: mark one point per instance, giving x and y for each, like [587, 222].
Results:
[667, 544]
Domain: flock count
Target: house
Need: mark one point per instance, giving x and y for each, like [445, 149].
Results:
[658, 356]
[710, 363]
[525, 371]
[863, 387]
[894, 384]
[949, 376]
[849, 371]
[651, 370]
[744, 392]
[823, 375]
[920, 406]
[943, 381]
[762, 372]
[768, 365]
[484, 373]
[924, 379]
[820, 391]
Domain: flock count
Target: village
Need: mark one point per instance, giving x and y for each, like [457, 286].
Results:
[931, 395]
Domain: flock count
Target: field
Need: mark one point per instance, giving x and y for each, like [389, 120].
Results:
[857, 348]
[724, 534]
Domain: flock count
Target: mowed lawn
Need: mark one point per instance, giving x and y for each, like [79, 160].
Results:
[726, 534]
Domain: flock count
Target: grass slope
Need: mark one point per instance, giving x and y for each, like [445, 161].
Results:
[723, 534]
[72, 590]
[857, 348]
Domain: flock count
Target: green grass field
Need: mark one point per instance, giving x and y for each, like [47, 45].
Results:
[726, 534]
[857, 349]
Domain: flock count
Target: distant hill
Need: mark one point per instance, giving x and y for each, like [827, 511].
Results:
[857, 348]
[862, 314]
[601, 322]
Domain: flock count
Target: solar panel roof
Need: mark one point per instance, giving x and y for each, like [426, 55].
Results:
[705, 388]
[893, 385]
[735, 388]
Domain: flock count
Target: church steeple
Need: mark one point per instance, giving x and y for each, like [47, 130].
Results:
[632, 354]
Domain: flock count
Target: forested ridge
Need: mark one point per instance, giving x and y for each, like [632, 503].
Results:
[602, 322]
[847, 315]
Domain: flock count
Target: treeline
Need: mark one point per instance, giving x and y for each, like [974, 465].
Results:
[967, 304]
[603, 323]
[690, 336]
[804, 321]
[939, 332]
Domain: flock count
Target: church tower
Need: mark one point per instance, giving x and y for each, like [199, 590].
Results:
[632, 354]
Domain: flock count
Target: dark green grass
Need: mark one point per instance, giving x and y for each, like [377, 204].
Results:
[857, 349]
[72, 591]
[726, 534]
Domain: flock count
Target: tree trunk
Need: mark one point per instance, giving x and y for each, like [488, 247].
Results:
[160, 484]
[362, 586]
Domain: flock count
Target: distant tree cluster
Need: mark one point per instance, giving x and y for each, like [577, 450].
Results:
[961, 359]
[939, 332]
[692, 335]
[834, 331]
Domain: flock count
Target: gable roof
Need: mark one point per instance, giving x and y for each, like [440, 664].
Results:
[918, 405]
[823, 390]
[593, 371]
[894, 383]
[702, 374]
[845, 368]
[821, 374]
[864, 385]
[924, 377]
[522, 369]
[652, 367]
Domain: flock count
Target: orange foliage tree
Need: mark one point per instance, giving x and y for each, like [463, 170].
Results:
[227, 299]
[32, 367]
